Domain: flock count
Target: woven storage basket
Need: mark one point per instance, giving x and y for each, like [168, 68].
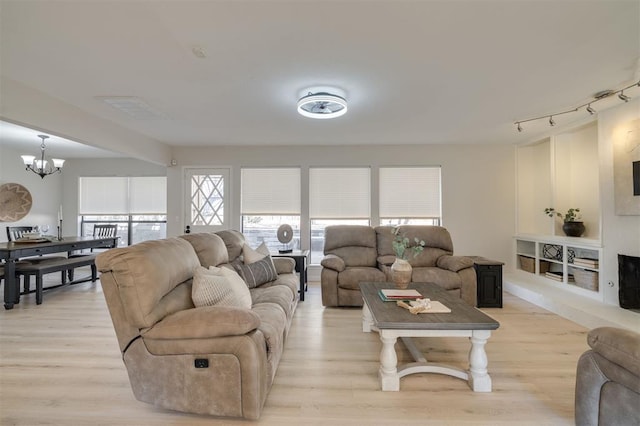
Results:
[586, 279]
[527, 263]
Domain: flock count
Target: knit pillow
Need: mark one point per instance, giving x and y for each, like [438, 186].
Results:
[238, 286]
[211, 289]
[258, 273]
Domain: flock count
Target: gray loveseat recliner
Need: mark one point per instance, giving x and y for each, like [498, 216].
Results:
[608, 379]
[359, 253]
[216, 360]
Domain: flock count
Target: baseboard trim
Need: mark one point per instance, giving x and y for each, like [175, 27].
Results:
[582, 310]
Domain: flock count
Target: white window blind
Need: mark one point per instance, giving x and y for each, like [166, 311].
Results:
[340, 193]
[409, 192]
[104, 195]
[148, 195]
[271, 191]
[122, 195]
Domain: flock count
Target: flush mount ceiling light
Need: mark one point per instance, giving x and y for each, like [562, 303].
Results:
[322, 105]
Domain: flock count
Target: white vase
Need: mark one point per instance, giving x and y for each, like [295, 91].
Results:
[401, 273]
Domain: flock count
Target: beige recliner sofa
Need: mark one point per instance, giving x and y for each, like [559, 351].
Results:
[608, 379]
[208, 360]
[359, 253]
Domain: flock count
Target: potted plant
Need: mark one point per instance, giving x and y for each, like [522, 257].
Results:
[572, 226]
[401, 269]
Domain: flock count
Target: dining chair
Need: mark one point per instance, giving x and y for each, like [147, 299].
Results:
[99, 231]
[104, 231]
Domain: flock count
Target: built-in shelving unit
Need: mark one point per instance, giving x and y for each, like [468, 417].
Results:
[559, 171]
[570, 264]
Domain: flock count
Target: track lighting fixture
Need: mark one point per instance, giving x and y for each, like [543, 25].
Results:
[597, 97]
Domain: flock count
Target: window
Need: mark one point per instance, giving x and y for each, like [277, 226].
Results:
[270, 197]
[410, 196]
[337, 196]
[138, 205]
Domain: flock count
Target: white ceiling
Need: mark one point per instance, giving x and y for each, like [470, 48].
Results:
[413, 72]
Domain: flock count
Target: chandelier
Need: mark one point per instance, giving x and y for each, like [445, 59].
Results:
[42, 167]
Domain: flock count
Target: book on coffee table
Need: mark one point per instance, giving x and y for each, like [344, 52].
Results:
[392, 295]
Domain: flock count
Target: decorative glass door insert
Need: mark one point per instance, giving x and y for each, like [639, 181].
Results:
[207, 199]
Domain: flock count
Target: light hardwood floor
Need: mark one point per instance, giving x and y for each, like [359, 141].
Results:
[60, 365]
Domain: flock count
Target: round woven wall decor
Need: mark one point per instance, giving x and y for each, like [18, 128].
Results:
[15, 202]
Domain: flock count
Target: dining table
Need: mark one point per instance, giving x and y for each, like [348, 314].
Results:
[12, 251]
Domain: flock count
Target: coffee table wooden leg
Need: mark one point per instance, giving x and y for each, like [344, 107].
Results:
[479, 379]
[388, 373]
[367, 319]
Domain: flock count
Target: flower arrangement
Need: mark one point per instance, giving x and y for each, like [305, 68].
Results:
[572, 215]
[401, 243]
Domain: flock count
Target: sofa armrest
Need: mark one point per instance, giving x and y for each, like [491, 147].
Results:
[332, 261]
[284, 265]
[619, 346]
[454, 263]
[386, 260]
[204, 322]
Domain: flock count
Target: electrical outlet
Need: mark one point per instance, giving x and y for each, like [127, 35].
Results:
[201, 363]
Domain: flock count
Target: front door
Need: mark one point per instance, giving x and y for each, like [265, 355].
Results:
[207, 200]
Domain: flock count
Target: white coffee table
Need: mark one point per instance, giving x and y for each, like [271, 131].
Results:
[393, 322]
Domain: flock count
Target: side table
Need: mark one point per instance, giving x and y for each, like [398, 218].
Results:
[489, 282]
[301, 258]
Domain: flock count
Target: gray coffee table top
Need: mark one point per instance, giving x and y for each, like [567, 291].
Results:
[388, 315]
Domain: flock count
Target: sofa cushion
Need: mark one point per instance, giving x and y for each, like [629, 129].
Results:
[257, 273]
[435, 237]
[617, 345]
[210, 248]
[350, 278]
[234, 241]
[445, 279]
[355, 244]
[291, 281]
[279, 294]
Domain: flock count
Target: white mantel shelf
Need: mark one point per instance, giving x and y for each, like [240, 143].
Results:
[583, 310]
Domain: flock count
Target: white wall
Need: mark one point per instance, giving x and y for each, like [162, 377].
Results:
[478, 189]
[46, 193]
[620, 234]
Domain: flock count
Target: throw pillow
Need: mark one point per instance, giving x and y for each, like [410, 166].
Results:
[258, 273]
[250, 255]
[211, 289]
[238, 286]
